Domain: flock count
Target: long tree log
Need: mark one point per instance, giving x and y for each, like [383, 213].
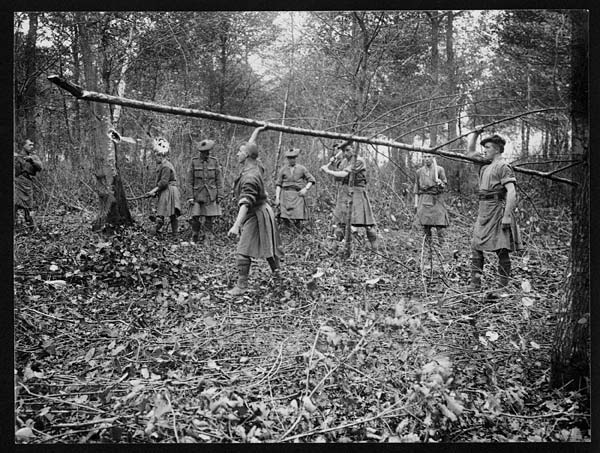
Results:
[86, 95]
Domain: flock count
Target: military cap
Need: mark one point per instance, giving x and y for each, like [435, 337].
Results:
[292, 152]
[495, 139]
[206, 145]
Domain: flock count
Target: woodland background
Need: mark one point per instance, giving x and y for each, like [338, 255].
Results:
[126, 313]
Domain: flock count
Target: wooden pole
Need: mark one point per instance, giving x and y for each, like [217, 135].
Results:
[85, 95]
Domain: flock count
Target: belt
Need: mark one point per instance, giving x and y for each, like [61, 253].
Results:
[295, 189]
[491, 196]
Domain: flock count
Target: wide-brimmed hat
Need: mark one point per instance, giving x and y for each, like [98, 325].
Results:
[292, 152]
[495, 139]
[206, 145]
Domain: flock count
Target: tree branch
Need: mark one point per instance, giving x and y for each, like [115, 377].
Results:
[79, 93]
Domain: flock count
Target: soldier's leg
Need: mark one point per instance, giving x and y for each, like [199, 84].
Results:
[195, 223]
[243, 263]
[208, 226]
[339, 231]
[476, 268]
[174, 225]
[427, 232]
[372, 237]
[274, 264]
[503, 266]
[160, 221]
[441, 237]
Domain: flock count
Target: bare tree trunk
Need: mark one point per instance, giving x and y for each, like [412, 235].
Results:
[113, 209]
[570, 361]
[435, 72]
[30, 94]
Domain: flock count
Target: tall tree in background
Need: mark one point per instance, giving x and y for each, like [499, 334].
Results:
[571, 347]
[93, 35]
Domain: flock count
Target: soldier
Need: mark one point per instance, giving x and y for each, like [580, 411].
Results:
[495, 229]
[255, 223]
[362, 215]
[293, 181]
[26, 165]
[169, 203]
[431, 211]
[206, 177]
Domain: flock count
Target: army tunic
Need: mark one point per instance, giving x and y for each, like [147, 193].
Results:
[23, 186]
[207, 186]
[292, 180]
[431, 210]
[169, 202]
[362, 214]
[488, 234]
[259, 237]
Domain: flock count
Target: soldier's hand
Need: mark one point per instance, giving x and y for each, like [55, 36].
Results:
[234, 231]
[277, 201]
[302, 192]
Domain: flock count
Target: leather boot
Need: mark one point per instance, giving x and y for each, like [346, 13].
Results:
[372, 237]
[243, 265]
[174, 226]
[504, 267]
[195, 223]
[274, 264]
[476, 270]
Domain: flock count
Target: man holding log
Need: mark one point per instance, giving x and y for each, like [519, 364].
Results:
[351, 170]
[495, 228]
[255, 224]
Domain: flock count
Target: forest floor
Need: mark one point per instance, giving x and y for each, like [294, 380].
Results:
[131, 338]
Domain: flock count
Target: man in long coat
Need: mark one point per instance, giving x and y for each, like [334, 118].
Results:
[293, 182]
[26, 166]
[428, 190]
[495, 229]
[206, 177]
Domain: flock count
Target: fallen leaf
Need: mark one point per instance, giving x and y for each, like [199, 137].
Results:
[308, 404]
[24, 433]
[318, 274]
[373, 281]
[53, 268]
[210, 322]
[526, 286]
[56, 283]
[492, 336]
[90, 354]
[212, 365]
[527, 301]
[534, 345]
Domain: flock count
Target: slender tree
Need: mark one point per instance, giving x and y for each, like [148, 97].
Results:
[571, 348]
